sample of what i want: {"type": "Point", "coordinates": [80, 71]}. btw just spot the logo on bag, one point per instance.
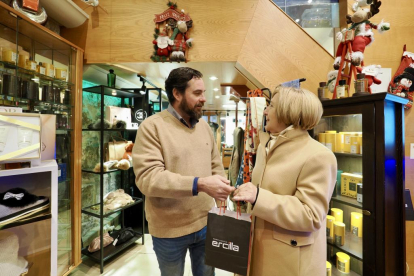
{"type": "Point", "coordinates": [225, 245]}
{"type": "Point", "coordinates": [140, 115]}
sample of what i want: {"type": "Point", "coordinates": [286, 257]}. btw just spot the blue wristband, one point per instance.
{"type": "Point", "coordinates": [195, 186]}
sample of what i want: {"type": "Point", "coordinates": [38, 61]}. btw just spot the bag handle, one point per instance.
{"type": "Point", "coordinates": [223, 207]}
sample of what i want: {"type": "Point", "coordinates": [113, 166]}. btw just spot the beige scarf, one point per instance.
{"type": "Point", "coordinates": [274, 136]}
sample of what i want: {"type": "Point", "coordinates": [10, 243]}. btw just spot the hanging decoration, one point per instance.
{"type": "Point", "coordinates": [171, 35]}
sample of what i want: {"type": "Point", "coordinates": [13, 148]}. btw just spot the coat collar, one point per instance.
{"type": "Point", "coordinates": [289, 135]}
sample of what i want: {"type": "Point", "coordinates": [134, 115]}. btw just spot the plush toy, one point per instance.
{"type": "Point", "coordinates": [332, 75]}
{"type": "Point", "coordinates": [128, 152]}
{"type": "Point", "coordinates": [106, 166]}
{"type": "Point", "coordinates": [97, 124]}
{"type": "Point", "coordinates": [371, 72]}
{"type": "Point", "coordinates": [123, 164]}
{"type": "Point", "coordinates": [404, 85]}
{"type": "Point", "coordinates": [163, 43]}
{"type": "Point", "coordinates": [363, 36]}
{"type": "Point", "coordinates": [119, 124]}
{"type": "Point", "coordinates": [181, 41]}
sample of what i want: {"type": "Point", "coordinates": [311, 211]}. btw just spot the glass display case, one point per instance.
{"type": "Point", "coordinates": [366, 224]}
{"type": "Point", "coordinates": [40, 73]}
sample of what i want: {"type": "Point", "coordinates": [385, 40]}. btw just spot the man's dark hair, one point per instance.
{"type": "Point", "coordinates": [178, 79]}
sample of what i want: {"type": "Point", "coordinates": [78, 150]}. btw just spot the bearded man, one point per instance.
{"type": "Point", "coordinates": [179, 170]}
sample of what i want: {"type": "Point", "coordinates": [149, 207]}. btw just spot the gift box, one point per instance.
{"type": "Point", "coordinates": [20, 137]}
{"type": "Point", "coordinates": [61, 73]}
{"type": "Point", "coordinates": [9, 56]}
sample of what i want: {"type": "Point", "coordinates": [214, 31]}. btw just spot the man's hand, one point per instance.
{"type": "Point", "coordinates": [246, 192]}
{"type": "Point", "coordinates": [215, 186]}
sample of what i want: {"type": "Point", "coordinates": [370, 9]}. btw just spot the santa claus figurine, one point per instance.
{"type": "Point", "coordinates": [163, 43]}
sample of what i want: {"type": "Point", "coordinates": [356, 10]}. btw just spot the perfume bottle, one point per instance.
{"type": "Point", "coordinates": [111, 78]}
{"type": "Point", "coordinates": [342, 90]}
{"type": "Point", "coordinates": [322, 91]}
{"type": "Point", "coordinates": [361, 85]}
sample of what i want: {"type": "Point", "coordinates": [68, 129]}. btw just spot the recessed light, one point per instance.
{"type": "Point", "coordinates": [216, 89]}
{"type": "Point", "coordinates": [213, 78]}
{"type": "Point", "coordinates": [217, 97]}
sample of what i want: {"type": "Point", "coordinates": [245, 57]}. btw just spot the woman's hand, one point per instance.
{"type": "Point", "coordinates": [246, 192]}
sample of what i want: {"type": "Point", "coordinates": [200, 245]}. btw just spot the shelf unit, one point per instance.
{"type": "Point", "coordinates": [380, 118]}
{"type": "Point", "coordinates": [47, 171]}
{"type": "Point", "coordinates": [28, 38]}
{"type": "Point", "coordinates": [97, 210]}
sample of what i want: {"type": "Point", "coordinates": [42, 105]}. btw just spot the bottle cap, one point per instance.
{"type": "Point", "coordinates": [322, 84]}
{"type": "Point", "coordinates": [361, 76]}
{"type": "Point", "coordinates": [111, 71]}
{"type": "Point", "coordinates": [342, 82]}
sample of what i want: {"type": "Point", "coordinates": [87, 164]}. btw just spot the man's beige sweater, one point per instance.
{"type": "Point", "coordinates": [167, 156]}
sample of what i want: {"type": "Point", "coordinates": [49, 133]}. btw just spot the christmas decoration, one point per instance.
{"type": "Point", "coordinates": [171, 43]}
{"type": "Point", "coordinates": [403, 85]}
{"type": "Point", "coordinates": [371, 72]}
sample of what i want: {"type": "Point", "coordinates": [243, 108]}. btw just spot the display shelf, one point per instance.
{"type": "Point", "coordinates": [108, 129]}
{"type": "Point", "coordinates": [352, 245]}
{"type": "Point", "coordinates": [110, 171]}
{"type": "Point", "coordinates": [110, 250]}
{"type": "Point", "coordinates": [96, 213]}
{"type": "Point", "coordinates": [9, 65]}
{"type": "Point", "coordinates": [336, 272]}
{"type": "Point", "coordinates": [345, 154]}
{"type": "Point", "coordinates": [37, 103]}
{"type": "Point", "coordinates": [347, 200]}
{"type": "Point", "coordinates": [114, 92]}
{"type": "Point", "coordinates": [38, 216]}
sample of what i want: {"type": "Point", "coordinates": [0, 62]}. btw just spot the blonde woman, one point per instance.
{"type": "Point", "coordinates": [291, 187]}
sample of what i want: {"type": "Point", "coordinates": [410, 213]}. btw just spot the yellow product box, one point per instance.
{"type": "Point", "coordinates": [322, 138]}
{"type": "Point", "coordinates": [330, 141]}
{"type": "Point", "coordinates": [347, 141]}
{"type": "Point", "coordinates": [349, 183]}
{"type": "Point", "coordinates": [50, 69]}
{"type": "Point", "coordinates": [9, 56]}
{"type": "Point", "coordinates": [61, 73]}
{"type": "Point", "coordinates": [31, 65]}
{"type": "Point", "coordinates": [343, 262]}
{"type": "Point", "coordinates": [360, 144]}
{"type": "Point", "coordinates": [40, 69]}
{"type": "Point", "coordinates": [339, 146]}
{"type": "Point", "coordinates": [22, 60]}
{"type": "Point", "coordinates": [354, 144]}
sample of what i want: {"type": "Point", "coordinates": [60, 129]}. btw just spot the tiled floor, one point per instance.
{"type": "Point", "coordinates": [138, 260]}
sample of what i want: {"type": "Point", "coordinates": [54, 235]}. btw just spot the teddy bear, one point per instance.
{"type": "Point", "coordinates": [180, 41]}
{"type": "Point", "coordinates": [128, 151]}
{"type": "Point", "coordinates": [371, 72]}
{"type": "Point", "coordinates": [363, 35]}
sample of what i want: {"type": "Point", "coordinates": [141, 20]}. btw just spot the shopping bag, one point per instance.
{"type": "Point", "coordinates": [228, 240]}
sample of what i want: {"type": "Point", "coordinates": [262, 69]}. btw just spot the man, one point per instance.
{"type": "Point", "coordinates": [178, 169]}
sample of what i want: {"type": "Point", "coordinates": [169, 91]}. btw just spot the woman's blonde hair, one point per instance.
{"type": "Point", "coordinates": [298, 107]}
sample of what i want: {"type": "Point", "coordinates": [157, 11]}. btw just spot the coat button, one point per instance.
{"type": "Point", "coordinates": [293, 242]}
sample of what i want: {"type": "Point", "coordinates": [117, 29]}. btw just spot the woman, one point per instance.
{"type": "Point", "coordinates": [293, 181]}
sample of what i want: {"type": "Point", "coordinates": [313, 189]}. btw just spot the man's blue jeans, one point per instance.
{"type": "Point", "coordinates": [171, 254]}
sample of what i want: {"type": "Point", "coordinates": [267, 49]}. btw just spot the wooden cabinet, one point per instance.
{"type": "Point", "coordinates": [42, 73]}
{"type": "Point", "coordinates": [375, 162]}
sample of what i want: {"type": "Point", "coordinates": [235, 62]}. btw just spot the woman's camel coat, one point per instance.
{"type": "Point", "coordinates": [296, 180]}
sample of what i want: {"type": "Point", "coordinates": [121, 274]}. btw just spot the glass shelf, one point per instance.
{"type": "Point", "coordinates": [347, 200]}
{"type": "Point", "coordinates": [94, 210]}
{"type": "Point", "coordinates": [8, 65]}
{"type": "Point", "coordinates": [110, 250]}
{"type": "Point", "coordinates": [39, 216]}
{"type": "Point", "coordinates": [19, 100]}
{"type": "Point", "coordinates": [352, 245]}
{"type": "Point", "coordinates": [110, 171]}
{"type": "Point", "coordinates": [114, 92]}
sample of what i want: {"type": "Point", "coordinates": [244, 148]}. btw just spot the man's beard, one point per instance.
{"type": "Point", "coordinates": [192, 112]}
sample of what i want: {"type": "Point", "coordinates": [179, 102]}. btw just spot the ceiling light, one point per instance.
{"type": "Point", "coordinates": [114, 92]}
{"type": "Point", "coordinates": [297, 20]}
{"type": "Point", "coordinates": [217, 97]}
{"type": "Point", "coordinates": [213, 78]}
{"type": "Point", "coordinates": [229, 105]}
{"type": "Point", "coordinates": [216, 89]}
{"type": "Point", "coordinates": [143, 88]}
